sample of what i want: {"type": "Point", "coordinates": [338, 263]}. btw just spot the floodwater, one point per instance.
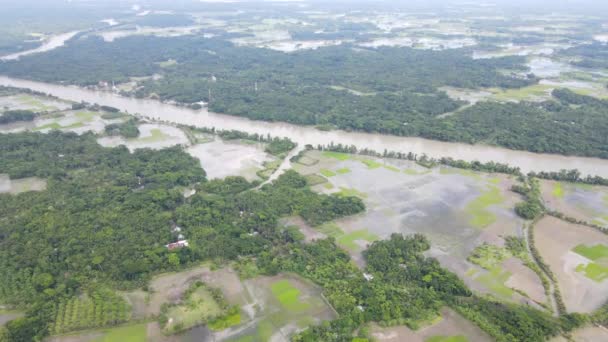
{"type": "Point", "coordinates": [51, 43]}
{"type": "Point", "coordinates": [527, 161]}
{"type": "Point", "coordinates": [230, 158]}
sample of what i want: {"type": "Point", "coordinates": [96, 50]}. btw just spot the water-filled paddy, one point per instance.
{"type": "Point", "coordinates": [560, 243]}
{"type": "Point", "coordinates": [222, 158]}
{"type": "Point", "coordinates": [457, 209]}
{"type": "Point", "coordinates": [582, 202]}
{"type": "Point", "coordinates": [155, 136]}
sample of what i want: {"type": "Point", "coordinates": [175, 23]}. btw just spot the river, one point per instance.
{"type": "Point", "coordinates": [527, 161]}
{"type": "Point", "coordinates": [50, 43]}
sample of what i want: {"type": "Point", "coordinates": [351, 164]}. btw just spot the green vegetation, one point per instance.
{"type": "Point", "coordinates": [288, 296]}
{"type": "Point", "coordinates": [478, 208]}
{"type": "Point", "coordinates": [119, 207]}
{"type": "Point", "coordinates": [594, 252]}
{"type": "Point", "coordinates": [594, 271]}
{"type": "Point", "coordinates": [490, 257]}
{"type": "Point", "coordinates": [495, 280]}
{"type": "Point", "coordinates": [351, 192]}
{"type": "Point", "coordinates": [458, 338]}
{"type": "Point", "coordinates": [349, 241]}
{"type": "Point", "coordinates": [199, 305]}
{"type": "Point", "coordinates": [558, 190]}
{"type": "Point", "coordinates": [129, 333]}
{"type": "Point", "coordinates": [343, 171]}
{"type": "Point", "coordinates": [278, 146]}
{"type": "Point", "coordinates": [16, 115]}
{"type": "Point", "coordinates": [156, 135]}
{"type": "Point", "coordinates": [126, 129]}
{"type": "Point", "coordinates": [327, 173]}
{"type": "Point", "coordinates": [337, 155]}
{"type": "Point", "coordinates": [315, 179]}
{"type": "Point", "coordinates": [532, 207]}
{"type": "Point", "coordinates": [371, 164]}
{"type": "Point", "coordinates": [99, 309]}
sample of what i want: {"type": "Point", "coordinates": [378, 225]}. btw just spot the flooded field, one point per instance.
{"type": "Point", "coordinates": [571, 251]}
{"type": "Point", "coordinates": [450, 325]}
{"type": "Point", "coordinates": [34, 103]}
{"type": "Point", "coordinates": [110, 36]}
{"type": "Point", "coordinates": [17, 186]}
{"type": "Point", "coordinates": [457, 210]}
{"type": "Point", "coordinates": [580, 201]}
{"type": "Point", "coordinates": [222, 158]}
{"type": "Point", "coordinates": [154, 136]}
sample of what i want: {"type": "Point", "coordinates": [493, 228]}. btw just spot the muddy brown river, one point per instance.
{"type": "Point", "coordinates": [527, 161]}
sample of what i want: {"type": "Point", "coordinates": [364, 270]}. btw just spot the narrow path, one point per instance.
{"type": "Point", "coordinates": [285, 165]}
{"type": "Point", "coordinates": [551, 293]}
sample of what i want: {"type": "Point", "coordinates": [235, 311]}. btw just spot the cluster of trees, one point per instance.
{"type": "Point", "coordinates": [407, 288]}
{"type": "Point", "coordinates": [388, 90]}
{"type": "Point", "coordinates": [533, 205]}
{"type": "Point", "coordinates": [593, 55]}
{"type": "Point", "coordinates": [127, 129]}
{"type": "Point", "coordinates": [16, 115]}
{"type": "Point", "coordinates": [107, 214]}
{"type": "Point", "coordinates": [99, 308]}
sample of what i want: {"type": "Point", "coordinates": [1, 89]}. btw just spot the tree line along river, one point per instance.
{"type": "Point", "coordinates": [526, 161]}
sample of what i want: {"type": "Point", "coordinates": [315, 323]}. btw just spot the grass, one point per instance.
{"type": "Point", "coordinates": [477, 209]}
{"type": "Point", "coordinates": [458, 338]}
{"type": "Point", "coordinates": [489, 256]}
{"type": "Point", "coordinates": [156, 135]}
{"type": "Point", "coordinates": [112, 115]}
{"type": "Point", "coordinates": [594, 271]}
{"type": "Point", "coordinates": [391, 168]}
{"type": "Point", "coordinates": [328, 186]}
{"type": "Point", "coordinates": [330, 229]}
{"type": "Point", "coordinates": [343, 170]}
{"type": "Point", "coordinates": [558, 190]}
{"type": "Point", "coordinates": [595, 252]}
{"type": "Point", "coordinates": [337, 155]}
{"type": "Point", "coordinates": [315, 179]}
{"type": "Point", "coordinates": [196, 309]}
{"type": "Point", "coordinates": [327, 173]}
{"type": "Point", "coordinates": [349, 192]}
{"type": "Point", "coordinates": [495, 280]}
{"type": "Point", "coordinates": [349, 241]}
{"type": "Point", "coordinates": [226, 322]}
{"type": "Point", "coordinates": [371, 164]}
{"type": "Point", "coordinates": [520, 94]}
{"type": "Point", "coordinates": [130, 333]}
{"type": "Point", "coordinates": [35, 103]}
{"type": "Point", "coordinates": [288, 296]}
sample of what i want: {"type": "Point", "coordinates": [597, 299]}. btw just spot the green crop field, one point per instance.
{"type": "Point", "coordinates": [594, 271]}
{"type": "Point", "coordinates": [327, 173]}
{"type": "Point", "coordinates": [558, 190]}
{"type": "Point", "coordinates": [288, 296]}
{"type": "Point", "coordinates": [594, 252]}
{"type": "Point", "coordinates": [481, 217]}
{"type": "Point", "coordinates": [337, 155]}
{"type": "Point", "coordinates": [371, 164]}
{"type": "Point", "coordinates": [130, 333]}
